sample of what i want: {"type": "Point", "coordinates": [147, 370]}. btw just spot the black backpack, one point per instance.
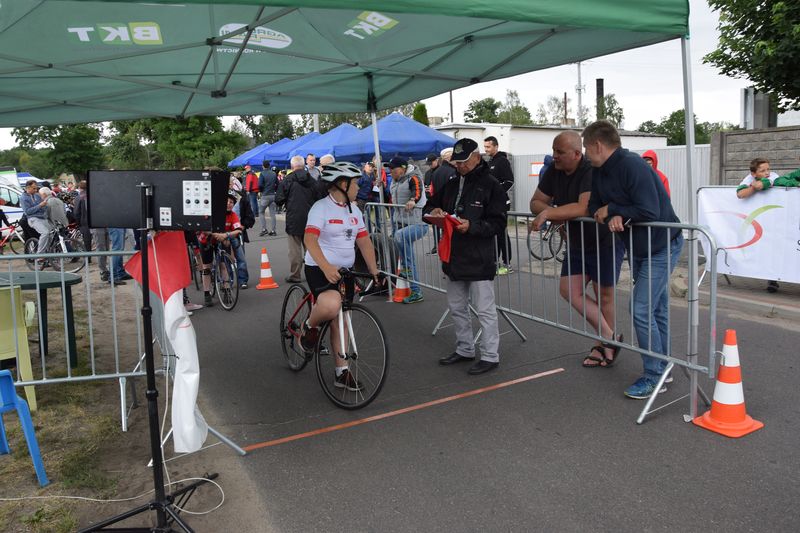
{"type": "Point", "coordinates": [248, 218]}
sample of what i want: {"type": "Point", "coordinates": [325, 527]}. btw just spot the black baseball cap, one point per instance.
{"type": "Point", "coordinates": [431, 158]}
{"type": "Point", "coordinates": [396, 162]}
{"type": "Point", "coordinates": [462, 150]}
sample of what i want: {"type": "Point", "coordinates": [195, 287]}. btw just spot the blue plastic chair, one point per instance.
{"type": "Point", "coordinates": [9, 401]}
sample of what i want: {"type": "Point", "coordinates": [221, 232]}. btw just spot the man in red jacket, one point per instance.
{"type": "Point", "coordinates": [651, 159]}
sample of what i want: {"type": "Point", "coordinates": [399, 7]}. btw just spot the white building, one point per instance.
{"type": "Point", "coordinates": [528, 145]}
{"type": "Point", "coordinates": [534, 140]}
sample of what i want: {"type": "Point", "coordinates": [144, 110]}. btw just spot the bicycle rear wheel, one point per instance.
{"type": "Point", "coordinates": [31, 246]}
{"type": "Point", "coordinates": [194, 265]}
{"type": "Point", "coordinates": [367, 356]}
{"type": "Point", "coordinates": [296, 309]}
{"type": "Point", "coordinates": [227, 283]}
{"type": "Point", "coordinates": [538, 247]}
{"type": "Point", "coordinates": [556, 244]}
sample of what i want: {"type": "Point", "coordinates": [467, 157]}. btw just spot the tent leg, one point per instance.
{"type": "Point", "coordinates": [693, 300]}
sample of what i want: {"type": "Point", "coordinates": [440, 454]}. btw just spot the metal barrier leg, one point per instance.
{"type": "Point", "coordinates": [646, 411]}
{"type": "Point", "coordinates": [438, 325]}
{"type": "Point", "coordinates": [513, 325]}
{"type": "Point", "coordinates": [122, 404]}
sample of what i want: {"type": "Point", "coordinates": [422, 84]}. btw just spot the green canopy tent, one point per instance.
{"type": "Point", "coordinates": [80, 61]}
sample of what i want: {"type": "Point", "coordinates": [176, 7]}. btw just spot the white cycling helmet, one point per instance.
{"type": "Point", "coordinates": [340, 169]}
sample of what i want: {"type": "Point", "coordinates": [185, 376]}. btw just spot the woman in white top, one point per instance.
{"type": "Point", "coordinates": [335, 227]}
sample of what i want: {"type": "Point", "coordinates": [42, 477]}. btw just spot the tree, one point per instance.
{"type": "Point", "coordinates": [482, 110]}
{"type": "Point", "coordinates": [674, 128]}
{"type": "Point", "coordinates": [267, 128]}
{"type": "Point", "coordinates": [610, 110]}
{"type": "Point", "coordinates": [74, 148]}
{"type": "Point", "coordinates": [328, 121]}
{"type": "Point", "coordinates": [194, 142]}
{"type": "Point", "coordinates": [421, 113]}
{"type": "Point", "coordinates": [513, 112]}
{"type": "Point", "coordinates": [552, 112]}
{"type": "Point", "coordinates": [129, 144]}
{"type": "Point", "coordinates": [760, 40]}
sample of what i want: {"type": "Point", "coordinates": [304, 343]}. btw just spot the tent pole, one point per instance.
{"type": "Point", "coordinates": [694, 310]}
{"type": "Point", "coordinates": [372, 106]}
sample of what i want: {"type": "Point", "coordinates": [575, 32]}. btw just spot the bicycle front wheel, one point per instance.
{"type": "Point", "coordinates": [296, 309]}
{"type": "Point", "coordinates": [366, 355]}
{"type": "Point", "coordinates": [74, 264]}
{"type": "Point", "coordinates": [538, 247]}
{"type": "Point", "coordinates": [227, 283]}
{"type": "Point", "coordinates": [16, 242]}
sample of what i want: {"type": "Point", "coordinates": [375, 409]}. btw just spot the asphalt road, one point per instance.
{"type": "Point", "coordinates": [559, 452]}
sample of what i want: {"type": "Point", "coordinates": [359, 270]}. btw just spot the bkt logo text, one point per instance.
{"type": "Point", "coordinates": [119, 33]}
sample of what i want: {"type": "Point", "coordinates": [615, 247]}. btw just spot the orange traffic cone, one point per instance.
{"type": "Point", "coordinates": [727, 415]}
{"type": "Point", "coordinates": [267, 282]}
{"type": "Point", "coordinates": [401, 289]}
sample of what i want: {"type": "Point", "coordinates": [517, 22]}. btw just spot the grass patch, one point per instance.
{"type": "Point", "coordinates": [51, 519]}
{"type": "Point", "coordinates": [79, 467]}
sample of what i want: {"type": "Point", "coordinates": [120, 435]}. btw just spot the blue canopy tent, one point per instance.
{"type": "Point", "coordinates": [398, 135]}
{"type": "Point", "coordinates": [279, 155]}
{"type": "Point", "coordinates": [252, 157]}
{"type": "Point", "coordinates": [327, 142]}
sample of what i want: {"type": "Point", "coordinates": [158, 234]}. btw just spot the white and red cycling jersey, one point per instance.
{"type": "Point", "coordinates": [337, 229]}
{"type": "Point", "coordinates": [231, 223]}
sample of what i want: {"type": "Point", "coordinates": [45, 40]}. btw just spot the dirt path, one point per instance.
{"type": "Point", "coordinates": [86, 454]}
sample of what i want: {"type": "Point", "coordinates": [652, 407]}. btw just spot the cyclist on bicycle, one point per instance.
{"type": "Point", "coordinates": [207, 240]}
{"type": "Point", "coordinates": [335, 226]}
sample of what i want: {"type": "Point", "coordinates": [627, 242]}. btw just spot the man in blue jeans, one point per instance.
{"type": "Point", "coordinates": [117, 238]}
{"type": "Point", "coordinates": [626, 190]}
{"type": "Point", "coordinates": [408, 191]}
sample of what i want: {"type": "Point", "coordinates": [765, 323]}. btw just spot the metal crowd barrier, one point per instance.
{"type": "Point", "coordinates": [530, 289]}
{"type": "Point", "coordinates": [87, 308]}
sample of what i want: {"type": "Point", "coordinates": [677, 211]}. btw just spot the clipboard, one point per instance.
{"type": "Point", "coordinates": [440, 221]}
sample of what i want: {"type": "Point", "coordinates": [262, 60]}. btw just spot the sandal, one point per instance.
{"type": "Point", "coordinates": [591, 357]}
{"type": "Point", "coordinates": [616, 349]}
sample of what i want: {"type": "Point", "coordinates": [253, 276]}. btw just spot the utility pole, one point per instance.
{"type": "Point", "coordinates": [451, 107]}
{"type": "Point", "coordinates": [565, 108]}
{"type": "Point", "coordinates": [316, 122]}
{"type": "Point", "coordinates": [579, 89]}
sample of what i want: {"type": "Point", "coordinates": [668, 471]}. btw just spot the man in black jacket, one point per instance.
{"type": "Point", "coordinates": [268, 187]}
{"type": "Point", "coordinates": [443, 173]}
{"type": "Point", "coordinates": [500, 168]}
{"type": "Point", "coordinates": [478, 200]}
{"type": "Point", "coordinates": [298, 192]}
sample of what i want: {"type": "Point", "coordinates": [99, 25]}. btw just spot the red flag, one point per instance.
{"type": "Point", "coordinates": [167, 263]}
{"type": "Point", "coordinates": [450, 223]}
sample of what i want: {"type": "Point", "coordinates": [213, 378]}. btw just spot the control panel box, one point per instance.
{"type": "Point", "coordinates": [191, 200]}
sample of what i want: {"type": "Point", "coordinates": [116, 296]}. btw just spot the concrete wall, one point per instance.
{"type": "Point", "coordinates": [731, 152]}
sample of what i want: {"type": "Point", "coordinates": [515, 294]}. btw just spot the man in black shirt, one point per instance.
{"type": "Point", "coordinates": [500, 168]}
{"type": "Point", "coordinates": [567, 184]}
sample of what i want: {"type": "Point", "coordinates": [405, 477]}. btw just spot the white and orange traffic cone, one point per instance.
{"type": "Point", "coordinates": [728, 415]}
{"type": "Point", "coordinates": [267, 282]}
{"type": "Point", "coordinates": [401, 289]}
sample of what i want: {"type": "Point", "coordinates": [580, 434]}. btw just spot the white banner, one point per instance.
{"type": "Point", "coordinates": [758, 237]}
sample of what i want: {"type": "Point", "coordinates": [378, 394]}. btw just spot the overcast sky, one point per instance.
{"type": "Point", "coordinates": [647, 82]}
